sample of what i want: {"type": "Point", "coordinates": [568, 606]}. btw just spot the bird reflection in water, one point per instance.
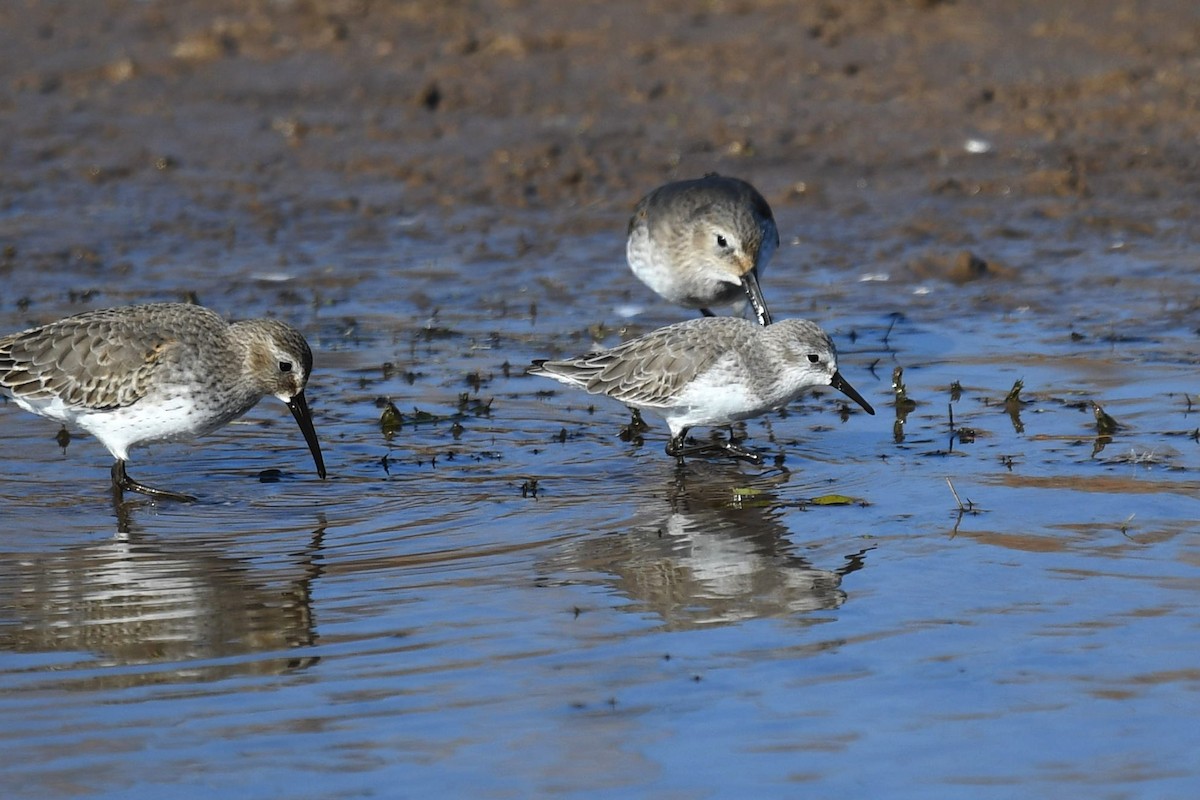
{"type": "Point", "coordinates": [140, 599]}
{"type": "Point", "coordinates": [712, 549]}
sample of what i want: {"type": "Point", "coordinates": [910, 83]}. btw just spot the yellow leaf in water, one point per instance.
{"type": "Point", "coordinates": [834, 500]}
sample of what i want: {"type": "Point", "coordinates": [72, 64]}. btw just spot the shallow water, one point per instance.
{"type": "Point", "coordinates": [505, 599]}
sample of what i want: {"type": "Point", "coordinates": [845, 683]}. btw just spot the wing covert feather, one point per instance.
{"type": "Point", "coordinates": [94, 361]}
{"type": "Point", "coordinates": [649, 371]}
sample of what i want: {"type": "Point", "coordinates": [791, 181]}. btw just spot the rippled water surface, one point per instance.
{"type": "Point", "coordinates": [502, 598]}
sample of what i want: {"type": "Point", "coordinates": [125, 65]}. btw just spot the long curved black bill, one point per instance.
{"type": "Point", "coordinates": [839, 383]}
{"type": "Point", "coordinates": [299, 408]}
{"type": "Point", "coordinates": [750, 285]}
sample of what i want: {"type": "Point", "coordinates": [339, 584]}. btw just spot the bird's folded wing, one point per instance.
{"type": "Point", "coordinates": [96, 365]}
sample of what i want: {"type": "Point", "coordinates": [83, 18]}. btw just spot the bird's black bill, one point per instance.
{"type": "Point", "coordinates": [299, 408]}
{"type": "Point", "coordinates": [839, 383]}
{"type": "Point", "coordinates": [750, 285]}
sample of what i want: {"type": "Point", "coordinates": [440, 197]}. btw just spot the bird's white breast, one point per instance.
{"type": "Point", "coordinates": [713, 399]}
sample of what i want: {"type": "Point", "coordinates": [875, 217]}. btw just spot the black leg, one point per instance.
{"type": "Point", "coordinates": [123, 483]}
{"type": "Point", "coordinates": [676, 448]}
{"type": "Point", "coordinates": [737, 451]}
{"type": "Point", "coordinates": [734, 448]}
{"type": "Point", "coordinates": [707, 313]}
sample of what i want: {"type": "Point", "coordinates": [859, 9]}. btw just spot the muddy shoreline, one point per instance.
{"type": "Point", "coordinates": [253, 121]}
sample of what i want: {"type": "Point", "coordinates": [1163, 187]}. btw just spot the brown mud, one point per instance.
{"type": "Point", "coordinates": [288, 110]}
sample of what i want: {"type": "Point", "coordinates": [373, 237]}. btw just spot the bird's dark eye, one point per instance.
{"type": "Point", "coordinates": [722, 241]}
{"type": "Point", "coordinates": [286, 366]}
{"type": "Point", "coordinates": [813, 358]}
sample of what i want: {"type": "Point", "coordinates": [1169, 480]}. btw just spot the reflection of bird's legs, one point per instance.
{"type": "Point", "coordinates": [677, 489]}
{"type": "Point", "coordinates": [676, 448]}
{"type": "Point", "coordinates": [121, 511]}
{"type": "Point", "coordinates": [766, 422]}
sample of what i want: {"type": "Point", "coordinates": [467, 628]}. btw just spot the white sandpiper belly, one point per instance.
{"type": "Point", "coordinates": [167, 419]}
{"type": "Point", "coordinates": [712, 403]}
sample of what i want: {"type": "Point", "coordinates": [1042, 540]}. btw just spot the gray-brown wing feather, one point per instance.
{"type": "Point", "coordinates": [650, 371]}
{"type": "Point", "coordinates": [91, 361]}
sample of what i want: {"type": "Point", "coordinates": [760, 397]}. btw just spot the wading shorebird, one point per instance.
{"type": "Point", "coordinates": [703, 243]}
{"type": "Point", "coordinates": [156, 373]}
{"type": "Point", "coordinates": [709, 371]}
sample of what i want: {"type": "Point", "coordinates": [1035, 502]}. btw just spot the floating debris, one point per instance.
{"type": "Point", "coordinates": [423, 416]}
{"type": "Point", "coordinates": [1105, 425]}
{"type": "Point", "coordinates": [1014, 394]}
{"type": "Point", "coordinates": [961, 508]}
{"type": "Point", "coordinates": [903, 401]}
{"type": "Point", "coordinates": [1013, 403]}
{"type": "Point", "coordinates": [632, 432]}
{"type": "Point", "coordinates": [391, 420]}
{"type": "Point", "coordinates": [476, 406]}
{"type": "Point", "coordinates": [270, 476]}
{"type": "Point", "coordinates": [476, 381]}
{"type": "Point", "coordinates": [834, 500]}
{"type": "Point", "coordinates": [904, 404]}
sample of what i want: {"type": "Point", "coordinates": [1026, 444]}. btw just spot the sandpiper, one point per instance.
{"type": "Point", "coordinates": [709, 371]}
{"type": "Point", "coordinates": [156, 373]}
{"type": "Point", "coordinates": [703, 243]}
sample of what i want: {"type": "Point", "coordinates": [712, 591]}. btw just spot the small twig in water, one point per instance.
{"type": "Point", "coordinates": [1125, 526]}
{"type": "Point", "coordinates": [957, 499]}
{"type": "Point", "coordinates": [888, 333]}
{"type": "Point", "coordinates": [950, 408]}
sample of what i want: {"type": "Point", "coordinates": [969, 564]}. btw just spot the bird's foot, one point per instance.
{"type": "Point", "coordinates": [123, 483]}
{"type": "Point", "coordinates": [737, 451]}
{"type": "Point", "coordinates": [677, 448]}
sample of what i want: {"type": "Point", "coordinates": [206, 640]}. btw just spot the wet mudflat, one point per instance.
{"type": "Point", "coordinates": [499, 596]}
